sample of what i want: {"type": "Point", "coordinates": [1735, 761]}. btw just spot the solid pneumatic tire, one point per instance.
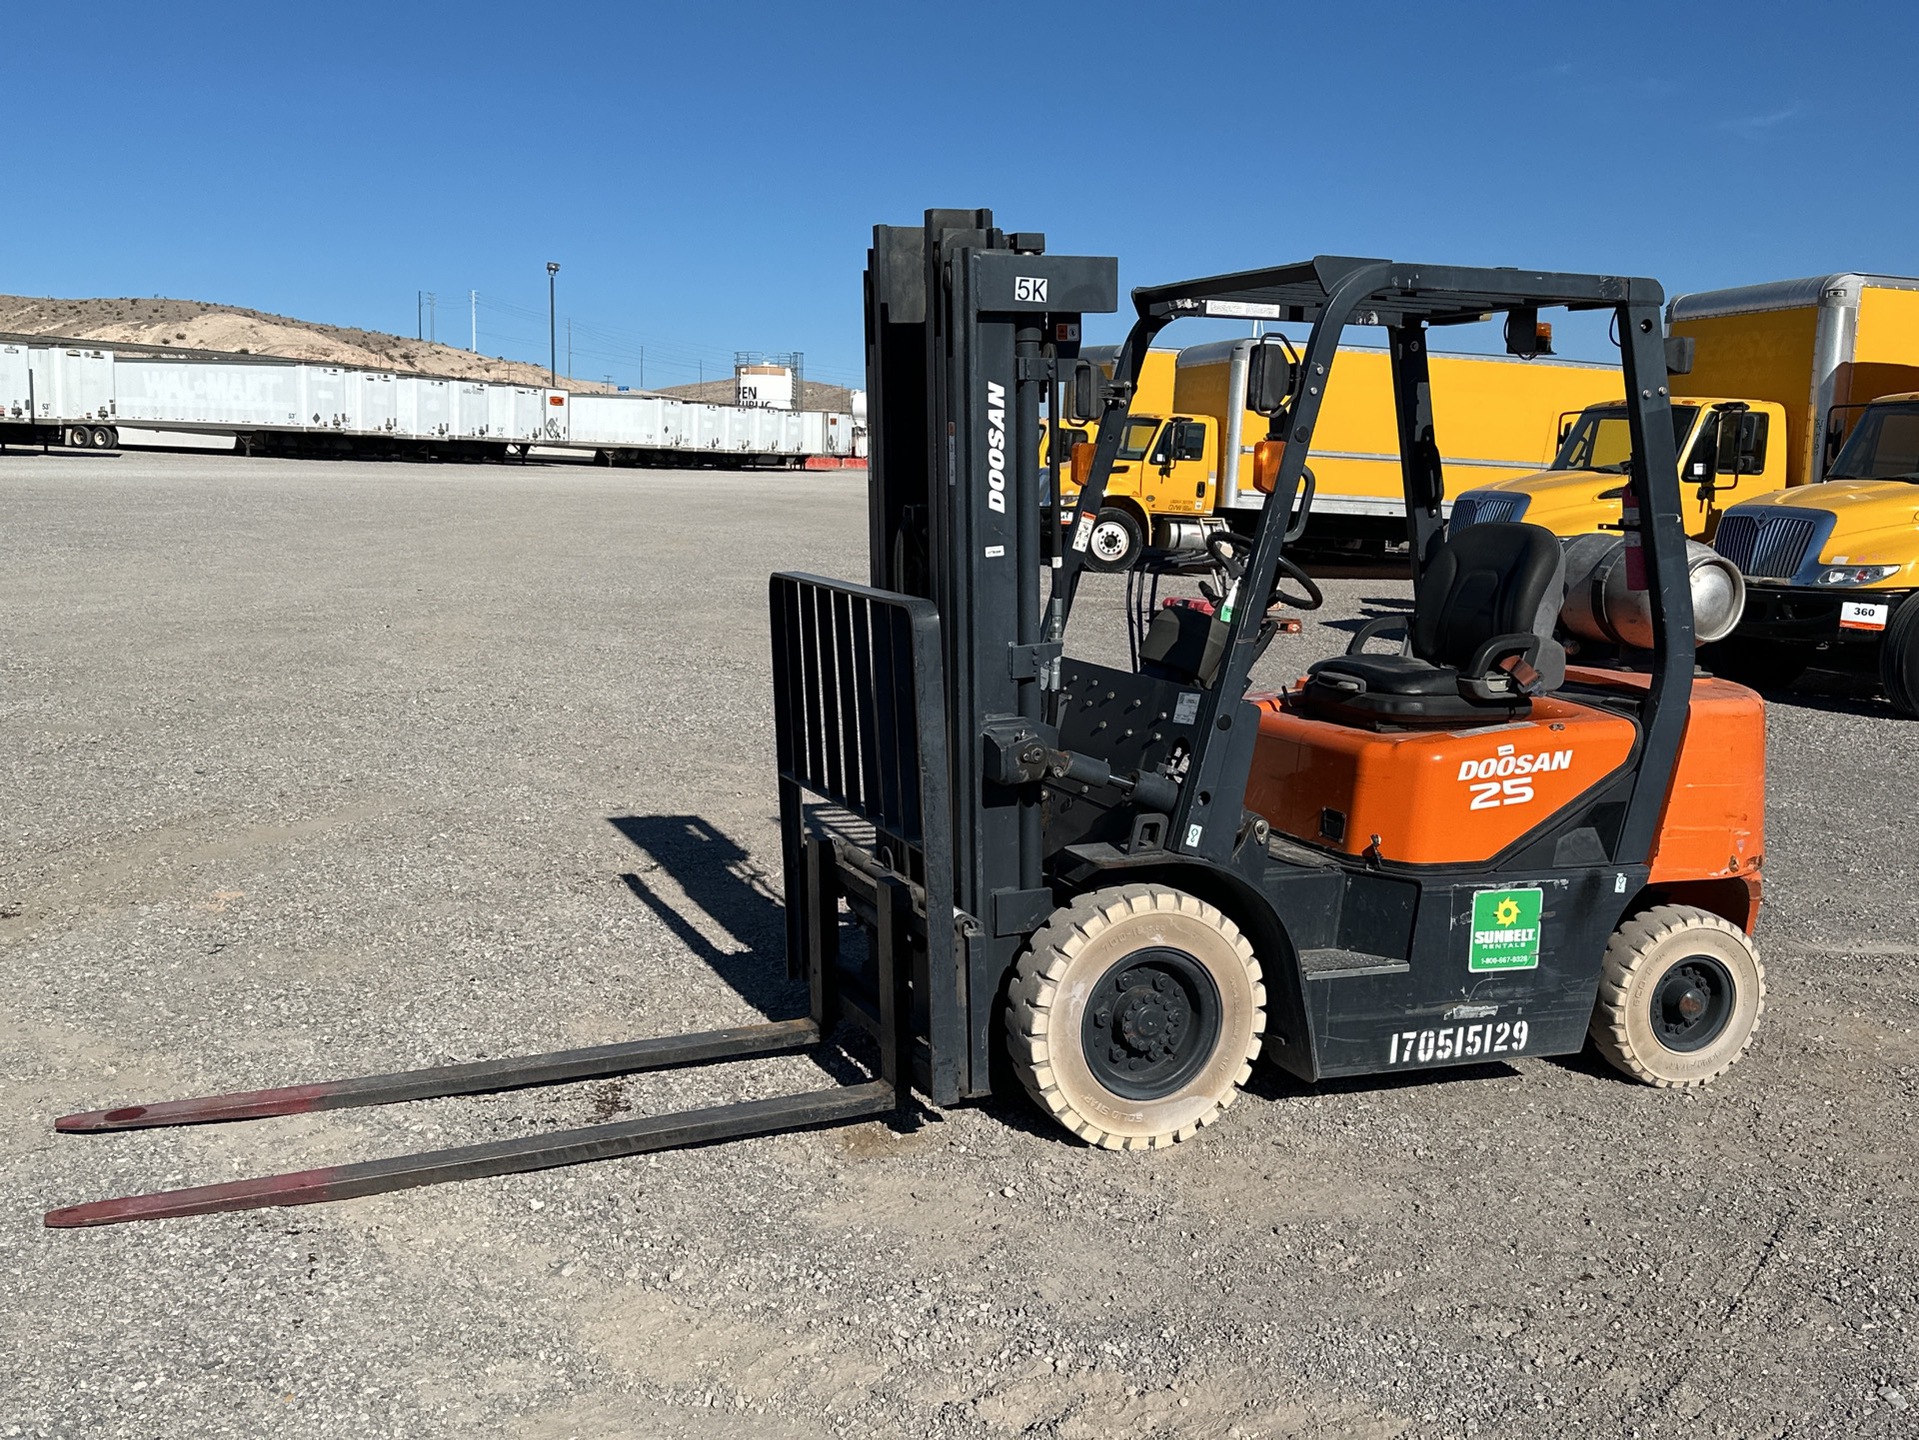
{"type": "Point", "coordinates": [1681, 991]}
{"type": "Point", "coordinates": [1899, 659]}
{"type": "Point", "coordinates": [1137, 946]}
{"type": "Point", "coordinates": [1115, 543]}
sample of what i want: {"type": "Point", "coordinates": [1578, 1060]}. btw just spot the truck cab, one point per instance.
{"type": "Point", "coordinates": [1164, 479]}
{"type": "Point", "coordinates": [1727, 448]}
{"type": "Point", "coordinates": [1832, 569]}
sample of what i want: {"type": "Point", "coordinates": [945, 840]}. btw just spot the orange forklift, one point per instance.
{"type": "Point", "coordinates": [1119, 887]}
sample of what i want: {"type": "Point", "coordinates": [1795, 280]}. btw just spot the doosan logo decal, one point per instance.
{"type": "Point", "coordinates": [1506, 778]}
{"type": "Point", "coordinates": [995, 446]}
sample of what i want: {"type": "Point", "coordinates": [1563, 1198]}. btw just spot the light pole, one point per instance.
{"type": "Point", "coordinates": [552, 334]}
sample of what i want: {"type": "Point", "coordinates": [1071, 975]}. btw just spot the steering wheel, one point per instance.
{"type": "Point", "coordinates": [1224, 547]}
{"type": "Point", "coordinates": [1311, 598]}
{"type": "Point", "coordinates": [1228, 550]}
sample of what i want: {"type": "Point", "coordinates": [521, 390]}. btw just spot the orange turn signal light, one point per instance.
{"type": "Point", "coordinates": [1267, 455]}
{"type": "Point", "coordinates": [1082, 463]}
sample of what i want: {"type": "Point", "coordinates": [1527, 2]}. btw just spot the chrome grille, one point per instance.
{"type": "Point", "coordinates": [1767, 547]}
{"type": "Point", "coordinates": [1488, 506]}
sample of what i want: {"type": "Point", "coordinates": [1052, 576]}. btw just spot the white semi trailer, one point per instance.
{"type": "Point", "coordinates": [93, 395]}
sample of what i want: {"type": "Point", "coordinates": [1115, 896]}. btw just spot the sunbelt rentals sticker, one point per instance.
{"type": "Point", "coordinates": [1505, 932]}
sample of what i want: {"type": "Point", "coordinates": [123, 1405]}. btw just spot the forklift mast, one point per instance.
{"type": "Point", "coordinates": [966, 330]}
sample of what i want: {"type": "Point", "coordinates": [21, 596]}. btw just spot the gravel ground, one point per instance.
{"type": "Point", "coordinates": [321, 769]}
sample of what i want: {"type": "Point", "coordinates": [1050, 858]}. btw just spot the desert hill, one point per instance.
{"type": "Point", "coordinates": [200, 325]}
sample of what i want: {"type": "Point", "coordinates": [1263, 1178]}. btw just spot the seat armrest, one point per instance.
{"type": "Point", "coordinates": [1378, 625]}
{"type": "Point", "coordinates": [1488, 678]}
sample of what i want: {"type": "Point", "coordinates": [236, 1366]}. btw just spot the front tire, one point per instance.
{"type": "Point", "coordinates": [1681, 991]}
{"type": "Point", "coordinates": [1135, 1016]}
{"type": "Point", "coordinates": [1115, 543]}
{"type": "Point", "coordinates": [1899, 659]}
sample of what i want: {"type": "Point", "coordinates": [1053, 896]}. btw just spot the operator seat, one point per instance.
{"type": "Point", "coordinates": [1479, 646]}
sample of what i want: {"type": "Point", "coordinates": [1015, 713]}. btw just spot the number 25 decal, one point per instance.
{"type": "Point", "coordinates": [1490, 794]}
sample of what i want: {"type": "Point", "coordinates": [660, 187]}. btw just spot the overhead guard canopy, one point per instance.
{"type": "Point", "coordinates": [1436, 294]}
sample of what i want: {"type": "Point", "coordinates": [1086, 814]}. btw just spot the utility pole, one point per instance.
{"type": "Point", "coordinates": [432, 317]}
{"type": "Point", "coordinates": [569, 347]}
{"type": "Point", "coordinates": [419, 314]}
{"type": "Point", "coordinates": [642, 367]}
{"type": "Point", "coordinates": [552, 348]}
{"type": "Point", "coordinates": [473, 302]}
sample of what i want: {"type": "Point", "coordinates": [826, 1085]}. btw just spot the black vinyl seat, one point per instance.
{"type": "Point", "coordinates": [1479, 644]}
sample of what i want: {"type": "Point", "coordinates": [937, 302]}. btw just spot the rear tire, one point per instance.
{"type": "Point", "coordinates": [1681, 991]}
{"type": "Point", "coordinates": [1899, 659]}
{"type": "Point", "coordinates": [102, 437]}
{"type": "Point", "coordinates": [1135, 1015]}
{"type": "Point", "coordinates": [1764, 665]}
{"type": "Point", "coordinates": [1115, 543]}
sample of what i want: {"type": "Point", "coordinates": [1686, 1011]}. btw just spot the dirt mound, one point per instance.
{"type": "Point", "coordinates": [199, 325]}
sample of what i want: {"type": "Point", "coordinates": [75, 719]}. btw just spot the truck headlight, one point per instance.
{"type": "Point", "coordinates": [1857, 574]}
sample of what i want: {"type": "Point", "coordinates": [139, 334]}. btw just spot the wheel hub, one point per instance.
{"type": "Point", "coordinates": [1692, 1003]}
{"type": "Point", "coordinates": [1151, 1023]}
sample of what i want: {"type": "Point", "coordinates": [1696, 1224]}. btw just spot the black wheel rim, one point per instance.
{"type": "Point", "coordinates": [1692, 1004]}
{"type": "Point", "coordinates": [1151, 1023]}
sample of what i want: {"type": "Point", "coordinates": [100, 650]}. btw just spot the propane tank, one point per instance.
{"type": "Point", "coordinates": [1601, 605]}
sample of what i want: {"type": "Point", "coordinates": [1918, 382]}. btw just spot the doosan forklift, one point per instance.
{"type": "Point", "coordinates": [1122, 886]}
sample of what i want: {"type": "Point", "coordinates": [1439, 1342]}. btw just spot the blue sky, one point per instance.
{"type": "Point", "coordinates": [707, 175]}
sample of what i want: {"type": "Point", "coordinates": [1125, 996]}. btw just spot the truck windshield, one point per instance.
{"type": "Point", "coordinates": [1138, 435]}
{"type": "Point", "coordinates": [1600, 439]}
{"type": "Point", "coordinates": [1884, 445]}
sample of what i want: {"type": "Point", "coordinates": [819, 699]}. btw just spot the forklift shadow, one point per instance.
{"type": "Point", "coordinates": [727, 910]}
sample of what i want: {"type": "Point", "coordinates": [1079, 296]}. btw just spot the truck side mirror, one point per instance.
{"type": "Point", "coordinates": [1726, 460]}
{"type": "Point", "coordinates": [1272, 374]}
{"type": "Point", "coordinates": [1742, 446]}
{"type": "Point", "coordinates": [1679, 354]}
{"type": "Point", "coordinates": [1189, 440]}
{"type": "Point", "coordinates": [1083, 403]}
{"type": "Point", "coordinates": [1752, 443]}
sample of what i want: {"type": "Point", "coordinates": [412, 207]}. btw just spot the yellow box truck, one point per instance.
{"type": "Point", "coordinates": [1832, 568]}
{"type": "Point", "coordinates": [1726, 448]}
{"type": "Point", "coordinates": [1794, 360]}
{"type": "Point", "coordinates": [1185, 465]}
